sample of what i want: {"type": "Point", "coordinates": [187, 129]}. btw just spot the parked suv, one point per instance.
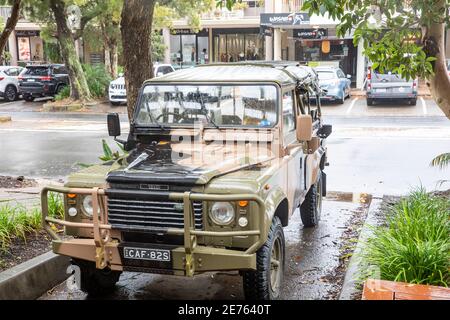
{"type": "Point", "coordinates": [219, 158]}
{"type": "Point", "coordinates": [42, 80]}
{"type": "Point", "coordinates": [117, 91]}
{"type": "Point", "coordinates": [389, 86]}
{"type": "Point", "coordinates": [9, 83]}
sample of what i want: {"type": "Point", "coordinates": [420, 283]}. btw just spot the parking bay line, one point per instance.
{"type": "Point", "coordinates": [352, 104]}
{"type": "Point", "coordinates": [424, 105]}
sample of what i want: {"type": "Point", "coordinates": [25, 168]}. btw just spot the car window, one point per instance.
{"type": "Point", "coordinates": [14, 72]}
{"type": "Point", "coordinates": [59, 70]}
{"type": "Point", "coordinates": [326, 75]}
{"type": "Point", "coordinates": [166, 69]}
{"type": "Point", "coordinates": [288, 113]}
{"type": "Point", "coordinates": [36, 71]}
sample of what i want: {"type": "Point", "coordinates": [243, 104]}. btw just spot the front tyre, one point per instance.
{"type": "Point", "coordinates": [266, 282]}
{"type": "Point", "coordinates": [96, 282]}
{"type": "Point", "coordinates": [311, 208]}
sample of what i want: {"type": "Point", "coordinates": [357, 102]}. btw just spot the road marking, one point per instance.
{"type": "Point", "coordinates": [352, 104]}
{"type": "Point", "coordinates": [424, 105]}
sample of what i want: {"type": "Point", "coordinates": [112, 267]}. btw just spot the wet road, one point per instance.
{"type": "Point", "coordinates": [378, 150]}
{"type": "Point", "coordinates": [312, 256]}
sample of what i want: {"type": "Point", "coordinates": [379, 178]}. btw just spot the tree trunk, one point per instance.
{"type": "Point", "coordinates": [114, 60]}
{"type": "Point", "coordinates": [136, 24]}
{"type": "Point", "coordinates": [107, 58]}
{"type": "Point", "coordinates": [79, 89]}
{"type": "Point", "coordinates": [10, 24]}
{"type": "Point", "coordinates": [440, 83]}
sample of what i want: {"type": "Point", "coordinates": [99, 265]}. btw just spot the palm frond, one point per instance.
{"type": "Point", "coordinates": [441, 161]}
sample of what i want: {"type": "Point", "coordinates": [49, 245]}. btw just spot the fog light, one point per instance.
{"type": "Point", "coordinates": [243, 222]}
{"type": "Point", "coordinates": [73, 212]}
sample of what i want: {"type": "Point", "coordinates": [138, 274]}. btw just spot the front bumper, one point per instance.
{"type": "Point", "coordinates": [187, 260]}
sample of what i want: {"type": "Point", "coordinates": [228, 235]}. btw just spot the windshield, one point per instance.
{"type": "Point", "coordinates": [326, 75]}
{"type": "Point", "coordinates": [387, 76]}
{"type": "Point", "coordinates": [216, 105]}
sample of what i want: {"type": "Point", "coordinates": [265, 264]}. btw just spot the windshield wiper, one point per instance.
{"type": "Point", "coordinates": [152, 118]}
{"type": "Point", "coordinates": [205, 111]}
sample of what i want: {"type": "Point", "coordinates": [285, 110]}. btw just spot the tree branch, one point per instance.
{"type": "Point", "coordinates": [10, 24]}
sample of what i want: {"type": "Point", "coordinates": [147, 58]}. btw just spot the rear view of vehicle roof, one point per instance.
{"type": "Point", "coordinates": [230, 72]}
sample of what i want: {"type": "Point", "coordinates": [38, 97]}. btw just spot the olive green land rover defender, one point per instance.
{"type": "Point", "coordinates": [218, 159]}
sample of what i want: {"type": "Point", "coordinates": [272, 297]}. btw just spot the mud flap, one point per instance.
{"type": "Point", "coordinates": [324, 184]}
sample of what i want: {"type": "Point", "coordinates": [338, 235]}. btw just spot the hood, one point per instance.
{"type": "Point", "coordinates": [120, 80]}
{"type": "Point", "coordinates": [185, 164]}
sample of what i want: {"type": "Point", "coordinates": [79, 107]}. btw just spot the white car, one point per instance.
{"type": "Point", "coordinates": [9, 82]}
{"type": "Point", "coordinates": [117, 91]}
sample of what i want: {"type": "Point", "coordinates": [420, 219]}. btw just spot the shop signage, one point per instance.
{"type": "Point", "coordinates": [311, 33]}
{"type": "Point", "coordinates": [203, 32]}
{"type": "Point", "coordinates": [27, 33]}
{"type": "Point", "coordinates": [284, 19]}
{"type": "Point", "coordinates": [266, 31]}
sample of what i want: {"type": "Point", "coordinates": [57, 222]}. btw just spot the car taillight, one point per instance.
{"type": "Point", "coordinates": [369, 74]}
{"type": "Point", "coordinates": [1, 78]}
{"type": "Point", "coordinates": [19, 78]}
{"type": "Point", "coordinates": [369, 86]}
{"type": "Point", "coordinates": [47, 78]}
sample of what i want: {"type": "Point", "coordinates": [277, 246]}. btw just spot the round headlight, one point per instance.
{"type": "Point", "coordinates": [222, 213]}
{"type": "Point", "coordinates": [87, 206]}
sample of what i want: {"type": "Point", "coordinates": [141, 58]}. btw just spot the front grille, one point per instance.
{"type": "Point", "coordinates": [147, 216]}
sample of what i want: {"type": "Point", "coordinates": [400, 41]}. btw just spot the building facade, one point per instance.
{"type": "Point", "coordinates": [264, 30]}
{"type": "Point", "coordinates": [24, 44]}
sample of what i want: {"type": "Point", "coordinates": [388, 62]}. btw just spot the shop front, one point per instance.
{"type": "Point", "coordinates": [239, 44]}
{"type": "Point", "coordinates": [29, 46]}
{"type": "Point", "coordinates": [188, 48]}
{"type": "Point", "coordinates": [320, 46]}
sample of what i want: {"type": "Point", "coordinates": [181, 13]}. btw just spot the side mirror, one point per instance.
{"type": "Point", "coordinates": [325, 131]}
{"type": "Point", "coordinates": [113, 124]}
{"type": "Point", "coordinates": [304, 127]}
{"type": "Point", "coordinates": [349, 76]}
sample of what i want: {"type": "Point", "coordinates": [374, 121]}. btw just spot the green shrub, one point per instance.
{"type": "Point", "coordinates": [98, 79]}
{"type": "Point", "coordinates": [63, 94]}
{"type": "Point", "coordinates": [55, 205]}
{"type": "Point", "coordinates": [17, 222]}
{"type": "Point", "coordinates": [414, 246]}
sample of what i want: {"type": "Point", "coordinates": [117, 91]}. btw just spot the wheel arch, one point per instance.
{"type": "Point", "coordinates": [277, 205]}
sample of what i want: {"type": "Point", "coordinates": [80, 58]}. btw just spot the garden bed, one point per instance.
{"type": "Point", "coordinates": [8, 182]}
{"type": "Point", "coordinates": [409, 242]}
{"type": "Point", "coordinates": [21, 250]}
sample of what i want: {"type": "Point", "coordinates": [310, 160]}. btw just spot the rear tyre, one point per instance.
{"type": "Point", "coordinates": [11, 93]}
{"type": "Point", "coordinates": [28, 98]}
{"type": "Point", "coordinates": [266, 282]}
{"type": "Point", "coordinates": [370, 102]}
{"type": "Point", "coordinates": [96, 282]}
{"type": "Point", "coordinates": [342, 99]}
{"type": "Point", "coordinates": [115, 103]}
{"type": "Point", "coordinates": [311, 208]}
{"type": "Point", "coordinates": [413, 102]}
